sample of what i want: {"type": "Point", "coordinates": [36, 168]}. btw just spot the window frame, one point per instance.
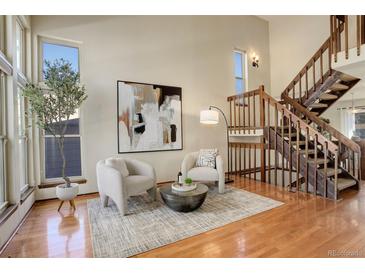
{"type": "Point", "coordinates": [58, 42]}
{"type": "Point", "coordinates": [3, 107]}
{"type": "Point", "coordinates": [244, 70]}
{"type": "Point", "coordinates": [23, 135]}
{"type": "Point", "coordinates": [66, 43]}
{"type": "Point", "coordinates": [6, 70]}
{"type": "Point", "coordinates": [22, 69]}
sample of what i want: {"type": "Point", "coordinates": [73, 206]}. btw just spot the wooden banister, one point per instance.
{"type": "Point", "coordinates": [308, 65]}
{"type": "Point", "coordinates": [338, 24]}
{"type": "Point", "coordinates": [334, 132]}
{"type": "Point", "coordinates": [332, 147]}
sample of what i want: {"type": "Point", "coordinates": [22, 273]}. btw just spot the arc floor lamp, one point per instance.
{"type": "Point", "coordinates": [211, 117]}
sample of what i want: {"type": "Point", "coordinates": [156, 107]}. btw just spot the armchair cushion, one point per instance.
{"type": "Point", "coordinates": [118, 164]}
{"type": "Point", "coordinates": [137, 184]}
{"type": "Point", "coordinates": [206, 158]}
{"type": "Point", "coordinates": [203, 174]}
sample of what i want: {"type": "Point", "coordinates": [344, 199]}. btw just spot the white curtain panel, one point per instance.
{"type": "Point", "coordinates": [347, 122]}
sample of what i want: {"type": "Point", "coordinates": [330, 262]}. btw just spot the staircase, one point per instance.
{"type": "Point", "coordinates": [307, 153]}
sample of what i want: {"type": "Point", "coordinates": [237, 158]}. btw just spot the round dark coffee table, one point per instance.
{"type": "Point", "coordinates": [184, 201]}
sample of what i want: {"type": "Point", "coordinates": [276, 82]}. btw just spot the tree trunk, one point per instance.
{"type": "Point", "coordinates": [61, 141]}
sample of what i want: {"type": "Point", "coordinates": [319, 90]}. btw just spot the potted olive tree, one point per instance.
{"type": "Point", "coordinates": [53, 106]}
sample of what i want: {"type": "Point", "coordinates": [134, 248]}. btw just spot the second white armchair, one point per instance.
{"type": "Point", "coordinates": [203, 174]}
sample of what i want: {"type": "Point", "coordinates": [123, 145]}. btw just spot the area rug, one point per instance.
{"type": "Point", "coordinates": [152, 224]}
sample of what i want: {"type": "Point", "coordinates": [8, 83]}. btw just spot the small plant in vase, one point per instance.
{"type": "Point", "coordinates": [188, 181]}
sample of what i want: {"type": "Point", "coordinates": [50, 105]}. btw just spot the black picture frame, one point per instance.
{"type": "Point", "coordinates": [181, 120]}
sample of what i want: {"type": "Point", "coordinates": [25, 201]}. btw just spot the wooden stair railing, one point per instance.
{"type": "Point", "coordinates": [313, 74]}
{"type": "Point", "coordinates": [242, 112]}
{"type": "Point", "coordinates": [343, 40]}
{"type": "Point", "coordinates": [349, 151]}
{"type": "Point", "coordinates": [323, 78]}
{"type": "Point", "coordinates": [310, 155]}
{"type": "Point", "coordinates": [246, 117]}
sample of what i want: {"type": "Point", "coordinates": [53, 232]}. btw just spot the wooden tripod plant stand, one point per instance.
{"type": "Point", "coordinates": [72, 204]}
{"type": "Point", "coordinates": [67, 194]}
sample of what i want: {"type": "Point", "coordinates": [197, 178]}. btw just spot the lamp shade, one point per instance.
{"type": "Point", "coordinates": [210, 117]}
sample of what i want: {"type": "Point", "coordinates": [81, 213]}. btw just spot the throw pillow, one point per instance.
{"type": "Point", "coordinates": [119, 164]}
{"type": "Point", "coordinates": [206, 158]}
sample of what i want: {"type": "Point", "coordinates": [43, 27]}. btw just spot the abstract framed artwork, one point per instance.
{"type": "Point", "coordinates": [149, 117]}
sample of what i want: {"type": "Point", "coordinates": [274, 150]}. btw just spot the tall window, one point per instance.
{"type": "Point", "coordinates": [20, 46]}
{"type": "Point", "coordinates": [23, 142]}
{"type": "Point", "coordinates": [240, 71]}
{"type": "Point", "coordinates": [72, 144]}
{"type": "Point", "coordinates": [2, 33]}
{"type": "Point", "coordinates": [2, 142]}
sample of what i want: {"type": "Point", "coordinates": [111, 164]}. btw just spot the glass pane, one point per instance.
{"type": "Point", "coordinates": [51, 52]}
{"type": "Point", "coordinates": [239, 85]}
{"type": "Point", "coordinates": [360, 124]}
{"type": "Point", "coordinates": [73, 127]}
{"type": "Point", "coordinates": [2, 181]}
{"type": "Point", "coordinates": [2, 33]}
{"type": "Point", "coordinates": [23, 170]}
{"type": "Point", "coordinates": [21, 113]}
{"type": "Point", "coordinates": [19, 46]}
{"type": "Point", "coordinates": [238, 65]}
{"type": "Point", "coordinates": [53, 161]}
{"type": "Point", "coordinates": [2, 104]}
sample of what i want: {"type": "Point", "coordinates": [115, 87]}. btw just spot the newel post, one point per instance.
{"type": "Point", "coordinates": [262, 125]}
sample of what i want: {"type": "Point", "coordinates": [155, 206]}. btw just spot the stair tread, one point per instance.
{"type": "Point", "coordinates": [310, 151]}
{"type": "Point", "coordinates": [328, 96]}
{"type": "Point", "coordinates": [293, 134]}
{"type": "Point", "coordinates": [347, 78]}
{"type": "Point", "coordinates": [331, 171]}
{"type": "Point", "coordinates": [319, 160]}
{"type": "Point", "coordinates": [343, 183]}
{"type": "Point", "coordinates": [300, 142]}
{"type": "Point", "coordinates": [318, 105]}
{"type": "Point", "coordinates": [338, 87]}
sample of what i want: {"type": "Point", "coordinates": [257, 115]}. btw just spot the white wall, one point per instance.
{"type": "Point", "coordinates": [293, 41]}
{"type": "Point", "coordinates": [194, 53]}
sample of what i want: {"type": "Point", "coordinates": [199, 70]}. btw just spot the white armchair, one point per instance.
{"type": "Point", "coordinates": [119, 181]}
{"type": "Point", "coordinates": [203, 174]}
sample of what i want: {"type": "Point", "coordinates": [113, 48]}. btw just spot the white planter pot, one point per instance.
{"type": "Point", "coordinates": [67, 193]}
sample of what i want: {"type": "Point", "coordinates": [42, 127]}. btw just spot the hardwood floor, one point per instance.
{"type": "Point", "coordinates": [305, 226]}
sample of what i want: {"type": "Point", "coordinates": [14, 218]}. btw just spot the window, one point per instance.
{"type": "Point", "coordinates": [52, 51]}
{"type": "Point", "coordinates": [72, 144]}
{"type": "Point", "coordinates": [53, 161]}
{"type": "Point", "coordinates": [240, 71]}
{"type": "Point", "coordinates": [2, 33]}
{"type": "Point", "coordinates": [20, 46]}
{"type": "Point", "coordinates": [2, 142]}
{"type": "Point", "coordinates": [22, 142]}
{"type": "Point", "coordinates": [360, 124]}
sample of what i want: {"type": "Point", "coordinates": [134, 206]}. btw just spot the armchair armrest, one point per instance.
{"type": "Point", "coordinates": [188, 163]}
{"type": "Point", "coordinates": [109, 180]}
{"type": "Point", "coordinates": [221, 175]}
{"type": "Point", "coordinates": [219, 165]}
